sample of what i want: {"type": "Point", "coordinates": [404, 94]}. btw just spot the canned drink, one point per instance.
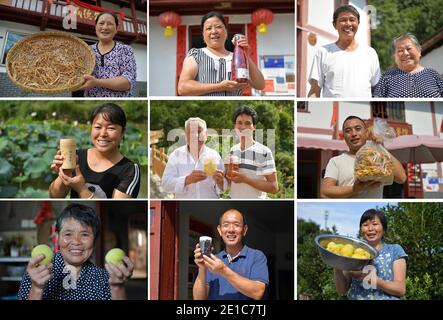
{"type": "Point", "coordinates": [206, 245]}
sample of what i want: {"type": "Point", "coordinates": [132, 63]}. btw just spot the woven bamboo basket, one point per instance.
{"type": "Point", "coordinates": [49, 63]}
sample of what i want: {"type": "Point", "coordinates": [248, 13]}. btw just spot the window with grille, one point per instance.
{"type": "Point", "coordinates": [390, 110]}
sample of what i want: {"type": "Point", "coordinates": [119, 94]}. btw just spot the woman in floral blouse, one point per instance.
{"type": "Point", "coordinates": [386, 279]}
{"type": "Point", "coordinates": [115, 69]}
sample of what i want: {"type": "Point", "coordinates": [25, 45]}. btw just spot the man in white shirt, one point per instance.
{"type": "Point", "coordinates": [339, 181]}
{"type": "Point", "coordinates": [186, 174]}
{"type": "Point", "coordinates": [345, 68]}
{"type": "Point", "coordinates": [257, 174]}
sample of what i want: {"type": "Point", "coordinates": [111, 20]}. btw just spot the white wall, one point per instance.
{"type": "Point", "coordinates": [320, 113]}
{"type": "Point", "coordinates": [318, 116]}
{"type": "Point", "coordinates": [141, 58]}
{"type": "Point", "coordinates": [162, 60]}
{"type": "Point", "coordinates": [280, 37]}
{"type": "Point", "coordinates": [434, 60]}
{"type": "Point", "coordinates": [359, 109]}
{"type": "Point", "coordinates": [418, 114]}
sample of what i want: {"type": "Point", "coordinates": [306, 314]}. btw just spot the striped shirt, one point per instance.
{"type": "Point", "coordinates": [123, 176]}
{"type": "Point", "coordinates": [213, 69]}
{"type": "Point", "coordinates": [256, 162]}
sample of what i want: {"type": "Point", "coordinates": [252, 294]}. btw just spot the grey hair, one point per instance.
{"type": "Point", "coordinates": [85, 215]}
{"type": "Point", "coordinates": [188, 122]}
{"type": "Point", "coordinates": [404, 36]}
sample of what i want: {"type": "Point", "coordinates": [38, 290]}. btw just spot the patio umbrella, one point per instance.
{"type": "Point", "coordinates": [416, 149]}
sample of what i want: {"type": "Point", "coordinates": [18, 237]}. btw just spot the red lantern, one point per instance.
{"type": "Point", "coordinates": [261, 18]}
{"type": "Point", "coordinates": [169, 20]}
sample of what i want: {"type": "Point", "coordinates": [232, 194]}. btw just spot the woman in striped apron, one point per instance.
{"type": "Point", "coordinates": [207, 71]}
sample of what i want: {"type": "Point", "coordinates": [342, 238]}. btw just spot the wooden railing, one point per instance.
{"type": "Point", "coordinates": [43, 7]}
{"type": "Point", "coordinates": [159, 159]}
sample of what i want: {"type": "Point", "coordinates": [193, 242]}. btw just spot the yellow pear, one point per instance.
{"type": "Point", "coordinates": [347, 250]}
{"type": "Point", "coordinates": [331, 245]}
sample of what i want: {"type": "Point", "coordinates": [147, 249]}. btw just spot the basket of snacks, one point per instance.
{"type": "Point", "coordinates": [49, 62]}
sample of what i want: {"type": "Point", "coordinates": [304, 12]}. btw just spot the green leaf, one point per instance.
{"type": "Point", "coordinates": [30, 192]}
{"type": "Point", "coordinates": [3, 143]}
{"type": "Point", "coordinates": [6, 169]}
{"type": "Point", "coordinates": [8, 191]}
{"type": "Point", "coordinates": [35, 167]}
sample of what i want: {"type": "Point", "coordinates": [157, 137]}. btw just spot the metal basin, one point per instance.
{"type": "Point", "coordinates": [341, 262]}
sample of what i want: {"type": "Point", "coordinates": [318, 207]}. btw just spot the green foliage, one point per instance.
{"type": "Point", "coordinates": [28, 148]}
{"type": "Point", "coordinates": [315, 278]}
{"type": "Point", "coordinates": [420, 17]}
{"type": "Point", "coordinates": [68, 110]}
{"type": "Point", "coordinates": [415, 226]}
{"type": "Point", "coordinates": [418, 288]}
{"type": "Point", "coordinates": [218, 114]}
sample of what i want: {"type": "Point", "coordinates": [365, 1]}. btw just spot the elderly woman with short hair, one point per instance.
{"type": "Point", "coordinates": [408, 79]}
{"type": "Point", "coordinates": [71, 275]}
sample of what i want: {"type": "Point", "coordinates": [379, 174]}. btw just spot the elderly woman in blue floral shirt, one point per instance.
{"type": "Point", "coordinates": [387, 279]}
{"type": "Point", "coordinates": [115, 69]}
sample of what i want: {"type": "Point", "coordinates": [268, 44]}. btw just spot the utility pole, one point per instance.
{"type": "Point", "coordinates": [326, 219]}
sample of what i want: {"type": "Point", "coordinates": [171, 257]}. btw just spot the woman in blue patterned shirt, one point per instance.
{"type": "Point", "coordinates": [71, 275]}
{"type": "Point", "coordinates": [408, 79]}
{"type": "Point", "coordinates": [115, 69]}
{"type": "Point", "coordinates": [385, 278]}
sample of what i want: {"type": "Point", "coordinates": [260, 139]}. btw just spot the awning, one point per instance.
{"type": "Point", "coordinates": [315, 143]}
{"type": "Point", "coordinates": [407, 149]}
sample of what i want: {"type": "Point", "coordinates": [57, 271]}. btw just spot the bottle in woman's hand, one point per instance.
{"type": "Point", "coordinates": [240, 71]}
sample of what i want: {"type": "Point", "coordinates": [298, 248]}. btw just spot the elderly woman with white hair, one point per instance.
{"type": "Point", "coordinates": [194, 171]}
{"type": "Point", "coordinates": [408, 79]}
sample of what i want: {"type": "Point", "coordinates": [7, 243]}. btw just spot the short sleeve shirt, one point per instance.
{"type": "Point", "coordinates": [123, 176]}
{"type": "Point", "coordinates": [396, 83]}
{"type": "Point", "coordinates": [120, 61]}
{"type": "Point", "coordinates": [213, 69]}
{"type": "Point", "coordinates": [341, 169]}
{"type": "Point", "coordinates": [93, 283]}
{"type": "Point", "coordinates": [384, 263]}
{"type": "Point", "coordinates": [256, 162]}
{"type": "Point", "coordinates": [346, 74]}
{"type": "Point", "coordinates": [250, 263]}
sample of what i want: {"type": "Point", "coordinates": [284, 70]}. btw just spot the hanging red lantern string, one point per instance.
{"type": "Point", "coordinates": [261, 18]}
{"type": "Point", "coordinates": [169, 20]}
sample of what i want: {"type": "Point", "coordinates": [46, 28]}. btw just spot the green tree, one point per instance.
{"type": "Point", "coordinates": [419, 17]}
{"type": "Point", "coordinates": [315, 278]}
{"type": "Point", "coordinates": [417, 227]}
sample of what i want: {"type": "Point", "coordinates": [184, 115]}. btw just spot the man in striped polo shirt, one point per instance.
{"type": "Point", "coordinates": [257, 174]}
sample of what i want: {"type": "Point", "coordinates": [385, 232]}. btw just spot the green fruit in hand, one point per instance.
{"type": "Point", "coordinates": [115, 256]}
{"type": "Point", "coordinates": [44, 250]}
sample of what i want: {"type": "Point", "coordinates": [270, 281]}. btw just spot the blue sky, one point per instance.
{"type": "Point", "coordinates": [344, 215]}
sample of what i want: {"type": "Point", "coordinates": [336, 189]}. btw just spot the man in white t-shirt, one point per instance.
{"type": "Point", "coordinates": [339, 181]}
{"type": "Point", "coordinates": [257, 174]}
{"type": "Point", "coordinates": [194, 171]}
{"type": "Point", "coordinates": [344, 68]}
